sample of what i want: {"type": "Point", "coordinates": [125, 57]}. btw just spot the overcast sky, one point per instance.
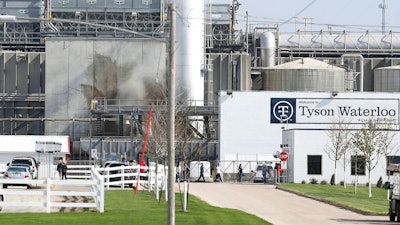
{"type": "Point", "coordinates": [351, 15]}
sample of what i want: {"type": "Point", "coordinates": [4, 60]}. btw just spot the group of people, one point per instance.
{"type": "Point", "coordinates": [219, 175]}
{"type": "Point", "coordinates": [62, 169]}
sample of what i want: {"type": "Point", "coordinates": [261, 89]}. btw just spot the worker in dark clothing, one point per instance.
{"type": "Point", "coordinates": [201, 173]}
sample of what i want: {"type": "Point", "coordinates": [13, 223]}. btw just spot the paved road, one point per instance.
{"type": "Point", "coordinates": [277, 206]}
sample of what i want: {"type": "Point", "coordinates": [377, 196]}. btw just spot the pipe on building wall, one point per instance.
{"type": "Point", "coordinates": [361, 58]}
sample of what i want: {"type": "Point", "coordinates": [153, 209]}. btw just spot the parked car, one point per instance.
{"type": "Point", "coordinates": [17, 172]}
{"type": "Point", "coordinates": [258, 177]}
{"type": "Point", "coordinates": [31, 161]}
{"type": "Point", "coordinates": [24, 165]}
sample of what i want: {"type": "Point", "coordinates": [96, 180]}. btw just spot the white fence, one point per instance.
{"type": "Point", "coordinates": [126, 176]}
{"type": "Point", "coordinates": [83, 181]}
{"type": "Point", "coordinates": [52, 193]}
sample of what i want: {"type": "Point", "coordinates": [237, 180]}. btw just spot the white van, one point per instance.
{"type": "Point", "coordinates": [258, 177]}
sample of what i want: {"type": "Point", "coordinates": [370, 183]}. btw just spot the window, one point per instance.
{"type": "Point", "coordinates": [392, 159]}
{"type": "Point", "coordinates": [358, 161]}
{"type": "Point", "coordinates": [314, 164]}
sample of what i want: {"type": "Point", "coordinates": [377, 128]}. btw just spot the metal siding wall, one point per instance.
{"type": "Point", "coordinates": [35, 73]}
{"type": "Point", "coordinates": [22, 73]}
{"type": "Point", "coordinates": [10, 72]}
{"type": "Point", "coordinates": [30, 8]}
{"type": "Point", "coordinates": [64, 4]}
{"type": "Point", "coordinates": [2, 73]}
{"type": "Point", "coordinates": [92, 4]}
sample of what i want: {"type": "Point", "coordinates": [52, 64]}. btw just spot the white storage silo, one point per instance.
{"type": "Point", "coordinates": [387, 79]}
{"type": "Point", "coordinates": [306, 75]}
{"type": "Point", "coordinates": [190, 49]}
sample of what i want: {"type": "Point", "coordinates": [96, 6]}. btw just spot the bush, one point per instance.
{"type": "Point", "coordinates": [324, 182]}
{"type": "Point", "coordinates": [333, 180]}
{"type": "Point", "coordinates": [313, 181]}
{"type": "Point", "coordinates": [303, 182]}
{"type": "Point", "coordinates": [341, 183]}
{"type": "Point", "coordinates": [379, 183]}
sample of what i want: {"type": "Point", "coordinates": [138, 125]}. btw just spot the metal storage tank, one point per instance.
{"type": "Point", "coordinates": [306, 75]}
{"type": "Point", "coordinates": [190, 50]}
{"type": "Point", "coordinates": [387, 79]}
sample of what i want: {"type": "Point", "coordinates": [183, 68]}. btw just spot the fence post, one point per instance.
{"type": "Point", "coordinates": [107, 173]}
{"type": "Point", "coordinates": [185, 191]}
{"type": "Point", "coordinates": [123, 178]}
{"type": "Point", "coordinates": [48, 195]}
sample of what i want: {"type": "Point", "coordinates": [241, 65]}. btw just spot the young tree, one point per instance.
{"type": "Point", "coordinates": [339, 141]}
{"type": "Point", "coordinates": [368, 141]}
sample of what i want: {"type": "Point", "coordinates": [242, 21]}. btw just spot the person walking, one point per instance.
{"type": "Point", "coordinates": [64, 170]}
{"type": "Point", "coordinates": [59, 165]}
{"type": "Point", "coordinates": [264, 172]}
{"type": "Point", "coordinates": [178, 172]}
{"type": "Point", "coordinates": [201, 173]}
{"type": "Point", "coordinates": [240, 173]}
{"type": "Point", "coordinates": [218, 174]}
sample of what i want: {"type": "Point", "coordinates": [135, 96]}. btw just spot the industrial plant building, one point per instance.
{"type": "Point", "coordinates": [92, 70]}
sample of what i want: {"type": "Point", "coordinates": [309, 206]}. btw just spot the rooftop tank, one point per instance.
{"type": "Point", "coordinates": [387, 79]}
{"type": "Point", "coordinates": [306, 75]}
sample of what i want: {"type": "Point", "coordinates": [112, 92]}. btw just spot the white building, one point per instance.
{"type": "Point", "coordinates": [45, 149]}
{"type": "Point", "coordinates": [258, 123]}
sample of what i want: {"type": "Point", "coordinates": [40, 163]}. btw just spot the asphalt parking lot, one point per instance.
{"type": "Point", "coordinates": [277, 206]}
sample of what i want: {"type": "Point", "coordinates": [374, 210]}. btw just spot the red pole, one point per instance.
{"type": "Point", "coordinates": [144, 148]}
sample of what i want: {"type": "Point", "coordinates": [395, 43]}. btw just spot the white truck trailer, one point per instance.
{"type": "Point", "coordinates": [394, 196]}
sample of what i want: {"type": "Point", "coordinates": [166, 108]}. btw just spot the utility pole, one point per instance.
{"type": "Point", "coordinates": [171, 117]}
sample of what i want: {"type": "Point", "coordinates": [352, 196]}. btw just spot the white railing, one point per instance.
{"type": "Point", "coordinates": [126, 176]}
{"type": "Point", "coordinates": [50, 194]}
{"type": "Point", "coordinates": [79, 172]}
{"type": "Point", "coordinates": [83, 181]}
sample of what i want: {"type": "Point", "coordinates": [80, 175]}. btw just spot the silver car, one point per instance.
{"type": "Point", "coordinates": [31, 161]}
{"type": "Point", "coordinates": [17, 172]}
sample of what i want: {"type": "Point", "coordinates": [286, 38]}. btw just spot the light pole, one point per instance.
{"type": "Point", "coordinates": [171, 118]}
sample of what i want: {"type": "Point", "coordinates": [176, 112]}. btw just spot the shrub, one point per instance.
{"type": "Point", "coordinates": [379, 183]}
{"type": "Point", "coordinates": [313, 181]}
{"type": "Point", "coordinates": [324, 182]}
{"type": "Point", "coordinates": [341, 183]}
{"type": "Point", "coordinates": [333, 180]}
{"type": "Point", "coordinates": [303, 182]}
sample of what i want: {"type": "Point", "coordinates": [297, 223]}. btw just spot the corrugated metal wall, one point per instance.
{"type": "Point", "coordinates": [21, 92]}
{"type": "Point", "coordinates": [79, 70]}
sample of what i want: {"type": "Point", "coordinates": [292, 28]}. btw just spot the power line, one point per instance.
{"type": "Point", "coordinates": [304, 9]}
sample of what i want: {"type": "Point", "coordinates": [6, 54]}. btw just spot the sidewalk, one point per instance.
{"type": "Point", "coordinates": [277, 206]}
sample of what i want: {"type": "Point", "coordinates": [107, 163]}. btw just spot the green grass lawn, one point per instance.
{"type": "Point", "coordinates": [123, 207]}
{"type": "Point", "coordinates": [378, 204]}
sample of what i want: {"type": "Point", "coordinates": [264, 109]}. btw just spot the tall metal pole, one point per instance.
{"type": "Point", "coordinates": [171, 117]}
{"type": "Point", "coordinates": [383, 6]}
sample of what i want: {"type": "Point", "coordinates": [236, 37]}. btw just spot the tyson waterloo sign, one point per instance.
{"type": "Point", "coordinates": [328, 110]}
